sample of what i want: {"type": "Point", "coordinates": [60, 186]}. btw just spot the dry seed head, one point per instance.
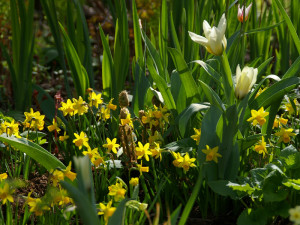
{"type": "Point", "coordinates": [123, 99]}
{"type": "Point", "coordinates": [123, 113]}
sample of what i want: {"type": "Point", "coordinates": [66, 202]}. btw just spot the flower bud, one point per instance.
{"type": "Point", "coordinates": [245, 79]}
{"type": "Point", "coordinates": [240, 15]}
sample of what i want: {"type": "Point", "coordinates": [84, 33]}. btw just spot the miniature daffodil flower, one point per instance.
{"type": "Point", "coordinates": [214, 41]}
{"type": "Point", "coordinates": [240, 15]}
{"type": "Point", "coordinates": [258, 117]}
{"type": "Point", "coordinates": [245, 79]}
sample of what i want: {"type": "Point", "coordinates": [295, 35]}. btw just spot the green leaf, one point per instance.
{"type": "Point", "coordinates": [186, 77]}
{"type": "Point", "coordinates": [119, 215]}
{"type": "Point", "coordinates": [212, 96]}
{"type": "Point", "coordinates": [85, 208]}
{"type": "Point", "coordinates": [250, 217]}
{"type": "Point", "coordinates": [221, 187]}
{"type": "Point", "coordinates": [289, 24]}
{"type": "Point", "coordinates": [79, 74]}
{"type": "Point", "coordinates": [188, 207]}
{"type": "Point", "coordinates": [175, 215]}
{"type": "Point", "coordinates": [137, 35]}
{"type": "Point", "coordinates": [241, 187]}
{"type": "Point", "coordinates": [35, 151]}
{"type": "Point", "coordinates": [293, 183]}
{"type": "Point", "coordinates": [293, 69]}
{"type": "Point", "coordinates": [210, 71]}
{"type": "Point", "coordinates": [185, 116]}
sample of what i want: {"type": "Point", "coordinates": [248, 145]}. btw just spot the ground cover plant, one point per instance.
{"type": "Point", "coordinates": [149, 112]}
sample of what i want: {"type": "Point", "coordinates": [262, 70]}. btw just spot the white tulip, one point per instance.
{"type": "Point", "coordinates": [245, 79]}
{"type": "Point", "coordinates": [214, 41]}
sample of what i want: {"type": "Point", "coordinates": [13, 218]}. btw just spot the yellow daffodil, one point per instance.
{"type": "Point", "coordinates": [63, 137]}
{"type": "Point", "coordinates": [279, 121]}
{"type": "Point", "coordinates": [111, 145]}
{"type": "Point", "coordinates": [10, 129]}
{"type": "Point", "coordinates": [54, 126]}
{"type": "Point", "coordinates": [214, 41]}
{"type": "Point", "coordinates": [260, 91]}
{"type": "Point", "coordinates": [3, 176]}
{"type": "Point", "coordinates": [240, 15]}
{"type": "Point", "coordinates": [258, 117]}
{"type": "Point", "coordinates": [128, 120]}
{"type": "Point", "coordinates": [5, 194]}
{"type": "Point", "coordinates": [94, 99]}
{"type": "Point", "coordinates": [156, 151]}
{"type": "Point", "coordinates": [245, 79]}
{"type": "Point", "coordinates": [67, 108]}
{"type": "Point", "coordinates": [187, 162]}
{"type": "Point", "coordinates": [111, 106]}
{"type": "Point", "coordinates": [289, 107]}
{"type": "Point", "coordinates": [80, 106]}
{"type": "Point", "coordinates": [134, 181]}
{"type": "Point", "coordinates": [81, 140]}
{"type": "Point", "coordinates": [117, 191]}
{"type": "Point", "coordinates": [142, 168]}
{"type": "Point", "coordinates": [178, 159]}
{"type": "Point", "coordinates": [68, 173]}
{"type": "Point", "coordinates": [143, 151]}
{"type": "Point", "coordinates": [56, 177]}
{"type": "Point", "coordinates": [103, 113]}
{"type": "Point", "coordinates": [34, 120]}
{"type": "Point", "coordinates": [197, 135]}
{"type": "Point", "coordinates": [261, 148]}
{"type": "Point", "coordinates": [107, 211]}
{"type": "Point", "coordinates": [285, 135]}
{"type": "Point", "coordinates": [38, 206]}
{"type": "Point", "coordinates": [211, 153]}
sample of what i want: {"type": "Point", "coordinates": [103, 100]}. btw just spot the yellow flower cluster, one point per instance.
{"type": "Point", "coordinates": [34, 120]}
{"type": "Point", "coordinates": [156, 117]}
{"type": "Point", "coordinates": [10, 128]}
{"type": "Point", "coordinates": [184, 162]}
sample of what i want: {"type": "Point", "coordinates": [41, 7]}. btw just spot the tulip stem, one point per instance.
{"type": "Point", "coordinates": [227, 80]}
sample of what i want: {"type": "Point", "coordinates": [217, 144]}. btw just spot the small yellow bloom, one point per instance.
{"type": "Point", "coordinates": [54, 126]}
{"type": "Point", "coordinates": [261, 148]}
{"type": "Point", "coordinates": [103, 113]}
{"type": "Point", "coordinates": [128, 120]}
{"type": "Point", "coordinates": [178, 159]}
{"type": "Point", "coordinates": [211, 154]}
{"type": "Point", "coordinates": [111, 145]}
{"type": "Point", "coordinates": [94, 99]}
{"type": "Point", "coordinates": [197, 135]}
{"type": "Point", "coordinates": [187, 162]}
{"type": "Point", "coordinates": [143, 151]}
{"type": "Point", "coordinates": [117, 191]}
{"type": "Point", "coordinates": [81, 140]}
{"type": "Point", "coordinates": [258, 117]}
{"type": "Point", "coordinates": [111, 106]}
{"type": "Point", "coordinates": [80, 106]}
{"type": "Point", "coordinates": [289, 107]}
{"type": "Point", "coordinates": [285, 135]}
{"type": "Point", "coordinates": [5, 194]}
{"type": "Point", "coordinates": [10, 129]}
{"type": "Point", "coordinates": [34, 120]}
{"type": "Point", "coordinates": [134, 181]}
{"type": "Point", "coordinates": [68, 173]}
{"type": "Point", "coordinates": [278, 121]}
{"type": "Point", "coordinates": [295, 215]}
{"type": "Point", "coordinates": [156, 152]}
{"type": "Point", "coordinates": [142, 168]}
{"type": "Point", "coordinates": [63, 137]}
{"type": "Point", "coordinates": [38, 206]}
{"type": "Point", "coordinates": [107, 211]}
{"type": "Point", "coordinates": [57, 176]}
{"type": "Point", "coordinates": [67, 108]}
{"type": "Point", "coordinates": [260, 91]}
{"type": "Point", "coordinates": [3, 176]}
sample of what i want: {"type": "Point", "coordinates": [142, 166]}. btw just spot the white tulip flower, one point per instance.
{"type": "Point", "coordinates": [214, 41]}
{"type": "Point", "coordinates": [245, 79]}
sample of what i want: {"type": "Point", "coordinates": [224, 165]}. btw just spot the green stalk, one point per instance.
{"type": "Point", "coordinates": [227, 80]}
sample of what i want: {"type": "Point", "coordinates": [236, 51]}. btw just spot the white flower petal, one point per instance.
{"type": "Point", "coordinates": [198, 38]}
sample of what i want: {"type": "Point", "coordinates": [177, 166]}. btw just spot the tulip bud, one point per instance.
{"type": "Point", "coordinates": [214, 41]}
{"type": "Point", "coordinates": [245, 79]}
{"type": "Point", "coordinates": [240, 15]}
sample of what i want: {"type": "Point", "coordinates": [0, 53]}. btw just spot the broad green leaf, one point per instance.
{"type": "Point", "coordinates": [175, 214]}
{"type": "Point", "coordinates": [214, 74]}
{"type": "Point", "coordinates": [250, 217]}
{"type": "Point", "coordinates": [85, 208]}
{"type": "Point", "coordinates": [241, 187]}
{"type": "Point", "coordinates": [178, 92]}
{"type": "Point", "coordinates": [212, 96]}
{"type": "Point", "coordinates": [293, 183]}
{"type": "Point", "coordinates": [119, 215]}
{"type": "Point", "coordinates": [186, 77]}
{"type": "Point", "coordinates": [262, 29]}
{"type": "Point", "coordinates": [35, 151]}
{"type": "Point", "coordinates": [185, 116]}
{"type": "Point", "coordinates": [137, 36]}
{"type": "Point", "coordinates": [221, 187]}
{"type": "Point", "coordinates": [293, 70]}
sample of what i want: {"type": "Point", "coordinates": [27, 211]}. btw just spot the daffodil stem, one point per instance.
{"type": "Point", "coordinates": [227, 80]}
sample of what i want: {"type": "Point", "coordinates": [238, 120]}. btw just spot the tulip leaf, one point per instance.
{"type": "Point", "coordinates": [214, 74]}
{"type": "Point", "coordinates": [33, 150]}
